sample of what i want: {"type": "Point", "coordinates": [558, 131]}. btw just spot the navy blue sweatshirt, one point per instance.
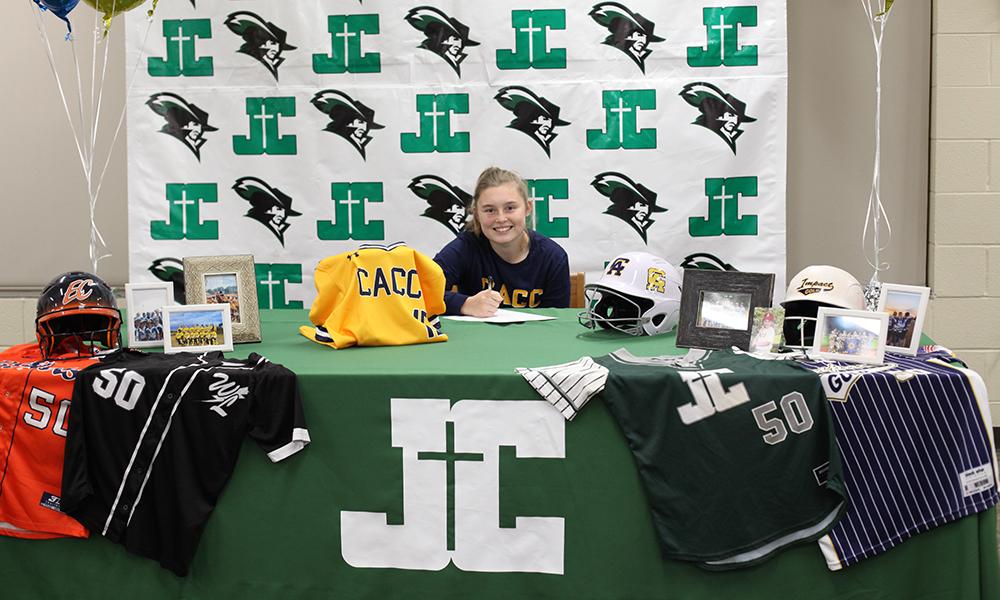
{"type": "Point", "coordinates": [541, 280]}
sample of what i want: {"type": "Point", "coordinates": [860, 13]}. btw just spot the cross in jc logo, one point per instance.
{"type": "Point", "coordinates": [451, 490]}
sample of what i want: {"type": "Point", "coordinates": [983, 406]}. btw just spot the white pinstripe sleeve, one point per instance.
{"type": "Point", "coordinates": [567, 386]}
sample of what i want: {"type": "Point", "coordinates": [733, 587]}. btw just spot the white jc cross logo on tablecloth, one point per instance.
{"type": "Point", "coordinates": [451, 472]}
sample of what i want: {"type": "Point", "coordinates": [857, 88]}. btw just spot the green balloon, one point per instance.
{"type": "Point", "coordinates": [110, 8]}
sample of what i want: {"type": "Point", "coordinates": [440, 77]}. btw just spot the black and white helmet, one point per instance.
{"type": "Point", "coordinates": [811, 288]}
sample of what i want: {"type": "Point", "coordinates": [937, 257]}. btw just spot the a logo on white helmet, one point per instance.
{"type": "Point", "coordinates": [656, 280]}
{"type": "Point", "coordinates": [808, 287]}
{"type": "Point", "coordinates": [617, 266]}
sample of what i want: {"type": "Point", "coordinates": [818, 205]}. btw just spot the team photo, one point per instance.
{"type": "Point", "coordinates": [724, 310]}
{"type": "Point", "coordinates": [145, 322]}
{"type": "Point", "coordinates": [854, 336]}
{"type": "Point", "coordinates": [196, 328]}
{"type": "Point", "coordinates": [223, 288]}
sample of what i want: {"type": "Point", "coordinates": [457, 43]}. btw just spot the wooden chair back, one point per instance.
{"type": "Point", "coordinates": [576, 281]}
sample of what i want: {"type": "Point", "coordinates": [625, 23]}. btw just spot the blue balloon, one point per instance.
{"type": "Point", "coordinates": [60, 8]}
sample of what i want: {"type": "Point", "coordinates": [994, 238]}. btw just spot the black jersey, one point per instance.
{"type": "Point", "coordinates": [736, 454]}
{"type": "Point", "coordinates": [153, 439]}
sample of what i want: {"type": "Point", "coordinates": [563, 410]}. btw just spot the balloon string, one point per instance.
{"type": "Point", "coordinates": [104, 72]}
{"type": "Point", "coordinates": [89, 161]}
{"type": "Point", "coordinates": [93, 106]}
{"type": "Point", "coordinates": [59, 85]}
{"type": "Point", "coordinates": [95, 232]}
{"type": "Point", "coordinates": [80, 144]}
{"type": "Point", "coordinates": [876, 216]}
{"type": "Point", "coordinates": [128, 90]}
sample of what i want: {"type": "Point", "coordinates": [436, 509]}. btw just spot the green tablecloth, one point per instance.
{"type": "Point", "coordinates": [276, 532]}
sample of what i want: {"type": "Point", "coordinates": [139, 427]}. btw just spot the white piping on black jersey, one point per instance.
{"type": "Point", "coordinates": [163, 435]}
{"type": "Point", "coordinates": [166, 430]}
{"type": "Point", "coordinates": [159, 444]}
{"type": "Point", "coordinates": [135, 451]}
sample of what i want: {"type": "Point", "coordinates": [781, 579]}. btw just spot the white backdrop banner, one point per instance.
{"type": "Point", "coordinates": [298, 129]}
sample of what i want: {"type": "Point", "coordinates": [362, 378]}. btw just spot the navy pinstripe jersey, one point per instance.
{"type": "Point", "coordinates": [916, 442]}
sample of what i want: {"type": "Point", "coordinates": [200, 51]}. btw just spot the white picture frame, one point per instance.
{"type": "Point", "coordinates": [856, 336]}
{"type": "Point", "coordinates": [145, 302]}
{"type": "Point", "coordinates": [186, 328]}
{"type": "Point", "coordinates": [904, 331]}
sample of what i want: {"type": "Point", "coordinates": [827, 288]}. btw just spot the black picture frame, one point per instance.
{"type": "Point", "coordinates": [709, 297]}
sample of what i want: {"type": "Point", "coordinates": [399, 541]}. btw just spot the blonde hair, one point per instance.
{"type": "Point", "coordinates": [492, 177]}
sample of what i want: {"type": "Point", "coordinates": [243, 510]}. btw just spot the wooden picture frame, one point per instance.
{"type": "Point", "coordinates": [197, 328]}
{"type": "Point", "coordinates": [226, 279]}
{"type": "Point", "coordinates": [145, 302]}
{"type": "Point", "coordinates": [856, 336]}
{"type": "Point", "coordinates": [898, 301]}
{"type": "Point", "coordinates": [717, 307]}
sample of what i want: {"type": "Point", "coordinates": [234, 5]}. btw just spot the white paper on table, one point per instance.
{"type": "Point", "coordinates": [503, 316]}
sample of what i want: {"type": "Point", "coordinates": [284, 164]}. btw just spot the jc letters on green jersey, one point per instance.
{"type": "Point", "coordinates": [737, 454]}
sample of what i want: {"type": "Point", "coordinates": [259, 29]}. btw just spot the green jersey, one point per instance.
{"type": "Point", "coordinates": [737, 454]}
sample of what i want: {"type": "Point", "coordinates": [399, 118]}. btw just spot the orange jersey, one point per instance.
{"type": "Point", "coordinates": [34, 411]}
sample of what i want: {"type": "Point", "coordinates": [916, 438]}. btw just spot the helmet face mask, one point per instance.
{"type": "Point", "coordinates": [799, 327]}
{"type": "Point", "coordinates": [608, 309]}
{"type": "Point", "coordinates": [811, 288]}
{"type": "Point", "coordinates": [77, 314]}
{"type": "Point", "coordinates": [638, 294]}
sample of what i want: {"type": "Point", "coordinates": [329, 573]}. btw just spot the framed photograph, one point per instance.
{"type": "Point", "coordinates": [197, 328]}
{"type": "Point", "coordinates": [850, 335]}
{"type": "Point", "coordinates": [145, 302]}
{"type": "Point", "coordinates": [226, 280]}
{"type": "Point", "coordinates": [906, 306]}
{"type": "Point", "coordinates": [717, 307]}
{"type": "Point", "coordinates": [765, 335]}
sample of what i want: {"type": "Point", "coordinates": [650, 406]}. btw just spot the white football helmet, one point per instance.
{"type": "Point", "coordinates": [810, 288]}
{"type": "Point", "coordinates": [638, 294]}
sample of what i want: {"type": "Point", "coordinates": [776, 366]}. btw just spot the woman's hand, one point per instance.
{"type": "Point", "coordinates": [483, 304]}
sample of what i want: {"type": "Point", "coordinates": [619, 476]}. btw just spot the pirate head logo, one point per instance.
{"type": "Point", "coordinates": [707, 262]}
{"type": "Point", "coordinates": [630, 201]}
{"type": "Point", "coordinates": [720, 112]}
{"type": "Point", "coordinates": [444, 36]}
{"type": "Point", "coordinates": [447, 204]}
{"type": "Point", "coordinates": [269, 205]}
{"type": "Point", "coordinates": [171, 270]}
{"type": "Point", "coordinates": [630, 32]}
{"type": "Point", "coordinates": [349, 118]}
{"type": "Point", "coordinates": [185, 121]}
{"type": "Point", "coordinates": [535, 116]}
{"type": "Point", "coordinates": [262, 39]}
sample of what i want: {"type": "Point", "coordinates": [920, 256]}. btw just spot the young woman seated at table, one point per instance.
{"type": "Point", "coordinates": [498, 261]}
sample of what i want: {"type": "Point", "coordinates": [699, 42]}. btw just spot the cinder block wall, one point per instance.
{"type": "Point", "coordinates": [963, 252]}
{"type": "Point", "coordinates": [17, 321]}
